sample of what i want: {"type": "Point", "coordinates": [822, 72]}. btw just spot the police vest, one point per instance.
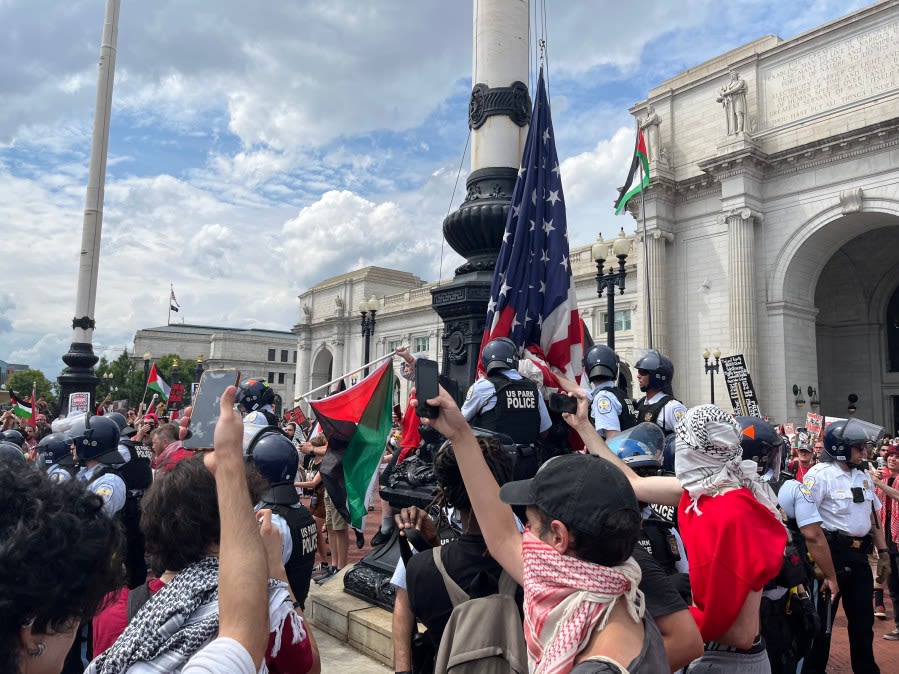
{"type": "Point", "coordinates": [628, 416]}
{"type": "Point", "coordinates": [517, 411]}
{"type": "Point", "coordinates": [657, 538]}
{"type": "Point", "coordinates": [646, 412]}
{"type": "Point", "coordinates": [303, 536]}
{"type": "Point", "coordinates": [137, 473]}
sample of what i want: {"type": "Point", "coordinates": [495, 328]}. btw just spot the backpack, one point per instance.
{"type": "Point", "coordinates": [483, 635]}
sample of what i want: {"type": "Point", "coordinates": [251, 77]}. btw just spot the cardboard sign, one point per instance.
{"type": "Point", "coordinates": [739, 386]}
{"type": "Point", "coordinates": [79, 402]}
{"type": "Point", "coordinates": [814, 423]}
{"type": "Point", "coordinates": [789, 430]}
{"type": "Point", "coordinates": [176, 395]}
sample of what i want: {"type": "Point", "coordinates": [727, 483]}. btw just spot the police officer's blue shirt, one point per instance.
{"type": "Point", "coordinates": [481, 397]}
{"type": "Point", "coordinates": [109, 487]}
{"type": "Point", "coordinates": [605, 408]}
{"type": "Point", "coordinates": [830, 488]}
{"type": "Point", "coordinates": [58, 474]}
{"type": "Point", "coordinates": [797, 505]}
{"type": "Point", "coordinates": [671, 414]}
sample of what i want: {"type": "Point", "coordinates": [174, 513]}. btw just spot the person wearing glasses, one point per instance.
{"type": "Point", "coordinates": [655, 375]}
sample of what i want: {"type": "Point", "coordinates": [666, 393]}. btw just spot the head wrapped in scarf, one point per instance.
{"type": "Point", "coordinates": [708, 458]}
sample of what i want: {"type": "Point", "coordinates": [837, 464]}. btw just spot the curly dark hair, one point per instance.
{"type": "Point", "coordinates": [59, 555]}
{"type": "Point", "coordinates": [451, 488]}
{"type": "Point", "coordinates": [180, 513]}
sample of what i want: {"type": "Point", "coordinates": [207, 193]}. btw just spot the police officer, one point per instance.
{"type": "Point", "coordinates": [96, 441]}
{"type": "Point", "coordinates": [844, 496]}
{"type": "Point", "coordinates": [504, 401]}
{"type": "Point", "coordinates": [55, 458]}
{"type": "Point", "coordinates": [640, 447]}
{"type": "Point", "coordinates": [655, 374]}
{"type": "Point", "coordinates": [277, 459]}
{"type": "Point", "coordinates": [611, 410]}
{"type": "Point", "coordinates": [255, 395]}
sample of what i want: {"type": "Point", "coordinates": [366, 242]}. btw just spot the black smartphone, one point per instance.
{"type": "Point", "coordinates": [205, 411]}
{"type": "Point", "coordinates": [562, 403]}
{"type": "Point", "coordinates": [426, 387]}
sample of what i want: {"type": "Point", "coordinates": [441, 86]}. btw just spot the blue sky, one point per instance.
{"type": "Point", "coordinates": [258, 148]}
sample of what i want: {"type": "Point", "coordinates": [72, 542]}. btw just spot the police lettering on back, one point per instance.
{"type": "Point", "coordinates": [521, 399]}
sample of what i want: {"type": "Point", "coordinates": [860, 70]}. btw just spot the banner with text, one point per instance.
{"type": "Point", "coordinates": [739, 386]}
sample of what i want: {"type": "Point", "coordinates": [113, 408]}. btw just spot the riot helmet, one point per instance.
{"type": "Point", "coordinates": [762, 444]}
{"type": "Point", "coordinates": [253, 394]}
{"type": "Point", "coordinates": [601, 361]}
{"type": "Point", "coordinates": [841, 436]}
{"type": "Point", "coordinates": [276, 458]}
{"type": "Point", "coordinates": [640, 447]}
{"type": "Point", "coordinates": [55, 449]}
{"type": "Point", "coordinates": [660, 370]}
{"type": "Point", "coordinates": [668, 454]}
{"type": "Point", "coordinates": [96, 438]}
{"type": "Point", "coordinates": [499, 354]}
{"type": "Point", "coordinates": [13, 436]}
{"type": "Point", "coordinates": [119, 420]}
{"type": "Point", "coordinates": [10, 452]}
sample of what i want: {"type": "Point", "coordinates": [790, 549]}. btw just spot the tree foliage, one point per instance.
{"type": "Point", "coordinates": [21, 382]}
{"type": "Point", "coordinates": [124, 378]}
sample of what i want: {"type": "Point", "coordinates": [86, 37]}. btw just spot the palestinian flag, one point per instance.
{"type": "Point", "coordinates": [356, 422]}
{"type": "Point", "coordinates": [637, 177]}
{"type": "Point", "coordinates": [19, 408]}
{"type": "Point", "coordinates": [157, 383]}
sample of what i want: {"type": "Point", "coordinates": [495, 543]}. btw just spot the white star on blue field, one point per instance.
{"type": "Point", "coordinates": [258, 148]}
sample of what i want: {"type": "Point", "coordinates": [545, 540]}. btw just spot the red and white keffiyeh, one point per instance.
{"type": "Point", "coordinates": [566, 599]}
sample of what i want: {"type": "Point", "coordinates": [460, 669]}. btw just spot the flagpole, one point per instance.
{"type": "Point", "coordinates": [344, 375]}
{"type": "Point", "coordinates": [168, 321]}
{"type": "Point", "coordinates": [645, 258]}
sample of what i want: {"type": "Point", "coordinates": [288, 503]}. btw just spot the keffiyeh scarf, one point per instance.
{"type": "Point", "coordinates": [566, 599]}
{"type": "Point", "coordinates": [183, 617]}
{"type": "Point", "coordinates": [708, 458]}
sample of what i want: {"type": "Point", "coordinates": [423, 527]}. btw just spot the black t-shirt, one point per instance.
{"type": "Point", "coordinates": [662, 597]}
{"type": "Point", "coordinates": [467, 562]}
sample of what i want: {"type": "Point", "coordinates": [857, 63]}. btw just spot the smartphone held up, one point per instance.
{"type": "Point", "coordinates": [205, 412]}
{"type": "Point", "coordinates": [426, 387]}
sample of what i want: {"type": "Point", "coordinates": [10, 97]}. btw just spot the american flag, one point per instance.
{"type": "Point", "coordinates": [532, 299]}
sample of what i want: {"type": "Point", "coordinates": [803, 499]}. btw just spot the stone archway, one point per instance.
{"type": "Point", "coordinates": [322, 371]}
{"type": "Point", "coordinates": [828, 298]}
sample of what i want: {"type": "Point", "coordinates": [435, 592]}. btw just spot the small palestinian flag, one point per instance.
{"type": "Point", "coordinates": [19, 408]}
{"type": "Point", "coordinates": [156, 383]}
{"type": "Point", "coordinates": [356, 422]}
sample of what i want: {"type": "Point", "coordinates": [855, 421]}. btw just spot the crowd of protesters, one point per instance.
{"type": "Point", "coordinates": [713, 543]}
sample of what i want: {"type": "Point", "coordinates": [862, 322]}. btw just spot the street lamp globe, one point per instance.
{"type": "Point", "coordinates": [621, 246]}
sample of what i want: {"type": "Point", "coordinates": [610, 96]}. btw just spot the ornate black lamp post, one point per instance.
{"type": "Point", "coordinates": [368, 309]}
{"type": "Point", "coordinates": [712, 370]}
{"type": "Point", "coordinates": [614, 278]}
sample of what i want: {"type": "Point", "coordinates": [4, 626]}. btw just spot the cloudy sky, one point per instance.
{"type": "Point", "coordinates": [258, 148]}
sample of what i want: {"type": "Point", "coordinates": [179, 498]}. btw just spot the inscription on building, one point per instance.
{"type": "Point", "coordinates": [840, 74]}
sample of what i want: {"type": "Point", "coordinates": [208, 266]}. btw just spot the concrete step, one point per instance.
{"type": "Point", "coordinates": [362, 626]}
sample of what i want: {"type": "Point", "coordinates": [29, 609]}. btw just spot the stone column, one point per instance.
{"type": "Point", "coordinates": [339, 366]}
{"type": "Point", "coordinates": [741, 255]}
{"type": "Point", "coordinates": [653, 294]}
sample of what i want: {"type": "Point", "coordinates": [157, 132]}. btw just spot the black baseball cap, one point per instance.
{"type": "Point", "coordinates": [580, 490]}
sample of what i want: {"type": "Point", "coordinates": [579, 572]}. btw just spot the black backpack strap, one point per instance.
{"type": "Point", "coordinates": [137, 598]}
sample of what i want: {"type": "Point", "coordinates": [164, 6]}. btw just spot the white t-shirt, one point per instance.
{"type": "Point", "coordinates": [220, 655]}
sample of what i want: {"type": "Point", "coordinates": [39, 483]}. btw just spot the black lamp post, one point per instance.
{"type": "Point", "coordinates": [198, 372]}
{"type": "Point", "coordinates": [368, 309]}
{"type": "Point", "coordinates": [176, 378]}
{"type": "Point", "coordinates": [712, 370]}
{"type": "Point", "coordinates": [147, 357]}
{"type": "Point", "coordinates": [614, 278]}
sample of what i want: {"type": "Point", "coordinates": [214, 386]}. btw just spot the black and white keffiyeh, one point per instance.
{"type": "Point", "coordinates": [173, 625]}
{"type": "Point", "coordinates": [708, 458]}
